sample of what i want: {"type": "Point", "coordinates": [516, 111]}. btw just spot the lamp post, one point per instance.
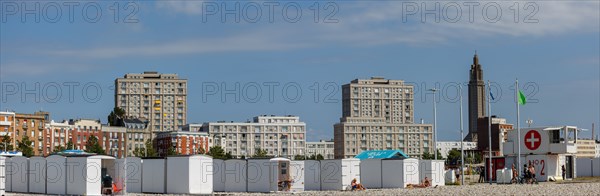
{"type": "Point", "coordinates": [434, 90]}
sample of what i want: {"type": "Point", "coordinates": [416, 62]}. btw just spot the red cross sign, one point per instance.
{"type": "Point", "coordinates": [533, 140]}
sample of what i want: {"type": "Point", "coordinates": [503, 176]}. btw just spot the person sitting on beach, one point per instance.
{"type": "Point", "coordinates": [357, 186]}
{"type": "Point", "coordinates": [426, 183]}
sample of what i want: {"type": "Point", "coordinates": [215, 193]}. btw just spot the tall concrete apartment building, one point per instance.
{"type": "Point", "coordinates": [281, 136]}
{"type": "Point", "coordinates": [161, 99]}
{"type": "Point", "coordinates": [378, 114]}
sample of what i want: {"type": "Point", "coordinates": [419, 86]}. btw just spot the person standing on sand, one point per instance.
{"type": "Point", "coordinates": [564, 172]}
{"type": "Point", "coordinates": [481, 175]}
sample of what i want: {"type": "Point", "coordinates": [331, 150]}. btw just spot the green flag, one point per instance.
{"type": "Point", "coordinates": [522, 98]}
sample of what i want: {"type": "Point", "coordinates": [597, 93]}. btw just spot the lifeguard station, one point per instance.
{"type": "Point", "coordinates": [547, 148]}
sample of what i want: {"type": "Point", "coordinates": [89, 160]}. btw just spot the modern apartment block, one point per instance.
{"type": "Point", "coordinates": [280, 136]}
{"type": "Point", "coordinates": [446, 146]}
{"type": "Point", "coordinates": [322, 147]}
{"type": "Point", "coordinates": [378, 114]}
{"type": "Point", "coordinates": [159, 98]}
{"type": "Point", "coordinates": [586, 148]}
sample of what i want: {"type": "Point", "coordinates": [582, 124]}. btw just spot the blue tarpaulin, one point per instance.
{"type": "Point", "coordinates": [381, 154]}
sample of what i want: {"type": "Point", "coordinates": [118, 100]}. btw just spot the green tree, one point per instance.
{"type": "Point", "coordinates": [148, 151]}
{"type": "Point", "coordinates": [58, 149]}
{"type": "Point", "coordinates": [453, 155]}
{"type": "Point", "coordinates": [259, 153]}
{"type": "Point", "coordinates": [228, 155]}
{"type": "Point", "coordinates": [319, 157]}
{"type": "Point", "coordinates": [312, 157]}
{"type": "Point", "coordinates": [6, 143]}
{"type": "Point", "coordinates": [201, 150]}
{"type": "Point", "coordinates": [299, 157]}
{"type": "Point", "coordinates": [171, 151]}
{"type": "Point", "coordinates": [93, 146]}
{"type": "Point", "coordinates": [216, 152]}
{"type": "Point", "coordinates": [115, 115]}
{"type": "Point", "coordinates": [70, 146]}
{"type": "Point", "coordinates": [25, 146]}
{"type": "Point", "coordinates": [478, 158]}
{"type": "Point", "coordinates": [428, 156]}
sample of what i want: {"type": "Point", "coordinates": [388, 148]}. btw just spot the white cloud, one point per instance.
{"type": "Point", "coordinates": [361, 24]}
{"type": "Point", "coordinates": [37, 69]}
{"type": "Point", "coordinates": [257, 41]}
{"type": "Point", "coordinates": [181, 6]}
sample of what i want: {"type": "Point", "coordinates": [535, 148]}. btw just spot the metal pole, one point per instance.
{"type": "Point", "coordinates": [518, 127]}
{"type": "Point", "coordinates": [462, 150]}
{"type": "Point", "coordinates": [434, 90]}
{"type": "Point", "coordinates": [489, 134]}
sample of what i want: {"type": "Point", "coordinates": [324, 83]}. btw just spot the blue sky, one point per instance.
{"type": "Point", "coordinates": [553, 49]}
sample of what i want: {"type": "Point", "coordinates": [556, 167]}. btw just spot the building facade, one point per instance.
{"type": "Point", "coordinates": [378, 114]}
{"type": "Point", "coordinates": [446, 146]}
{"type": "Point", "coordinates": [586, 148]}
{"type": "Point", "coordinates": [597, 149]}
{"type": "Point", "coordinates": [161, 99]}
{"type": "Point", "coordinates": [476, 98]}
{"type": "Point", "coordinates": [322, 147]}
{"type": "Point", "coordinates": [280, 136]}
{"type": "Point", "coordinates": [182, 142]}
{"type": "Point", "coordinates": [31, 126]}
{"type": "Point", "coordinates": [114, 140]}
{"type": "Point", "coordinates": [500, 129]}
{"type": "Point", "coordinates": [57, 136]}
{"type": "Point", "coordinates": [7, 127]}
{"type": "Point", "coordinates": [138, 134]}
{"type": "Point", "coordinates": [82, 130]}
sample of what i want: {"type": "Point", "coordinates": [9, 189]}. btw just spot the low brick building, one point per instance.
{"type": "Point", "coordinates": [183, 142]}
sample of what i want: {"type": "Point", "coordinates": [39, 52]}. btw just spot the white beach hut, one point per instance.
{"type": "Point", "coordinates": [153, 175]}
{"type": "Point", "coordinates": [2, 175]}
{"type": "Point", "coordinates": [371, 172]}
{"type": "Point", "coordinates": [8, 170]}
{"type": "Point", "coordinates": [312, 175]}
{"type": "Point", "coordinates": [434, 170]}
{"type": "Point", "coordinates": [235, 175]}
{"type": "Point", "coordinates": [88, 171]}
{"type": "Point", "coordinates": [297, 176]}
{"type": "Point", "coordinates": [19, 180]}
{"type": "Point", "coordinates": [37, 175]}
{"type": "Point", "coordinates": [399, 172]}
{"type": "Point", "coordinates": [130, 170]}
{"type": "Point", "coordinates": [449, 176]}
{"type": "Point", "coordinates": [218, 175]}
{"type": "Point", "coordinates": [189, 174]}
{"type": "Point", "coordinates": [260, 174]}
{"type": "Point", "coordinates": [338, 174]}
{"type": "Point", "coordinates": [56, 175]}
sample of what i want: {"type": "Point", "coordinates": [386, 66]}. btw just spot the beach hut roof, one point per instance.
{"type": "Point", "coordinates": [381, 154]}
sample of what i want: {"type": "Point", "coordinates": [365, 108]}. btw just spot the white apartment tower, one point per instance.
{"type": "Point", "coordinates": [161, 99]}
{"type": "Point", "coordinates": [378, 114]}
{"type": "Point", "coordinates": [280, 136]}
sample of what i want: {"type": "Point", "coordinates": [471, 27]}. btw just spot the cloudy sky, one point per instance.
{"type": "Point", "coordinates": [247, 58]}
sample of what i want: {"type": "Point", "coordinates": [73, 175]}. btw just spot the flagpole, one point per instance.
{"type": "Point", "coordinates": [462, 150]}
{"type": "Point", "coordinates": [518, 127]}
{"type": "Point", "coordinates": [489, 134]}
